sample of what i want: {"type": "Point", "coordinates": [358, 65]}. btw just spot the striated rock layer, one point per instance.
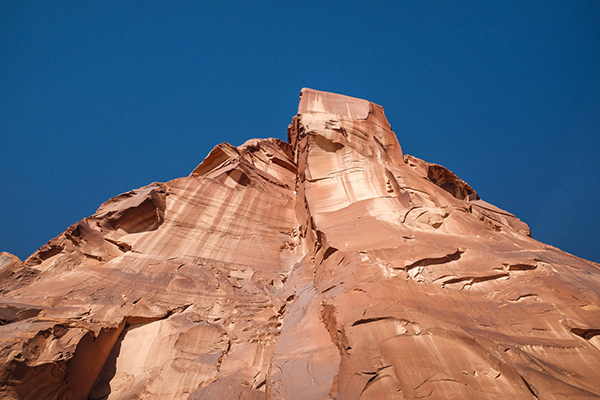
{"type": "Point", "coordinates": [332, 267]}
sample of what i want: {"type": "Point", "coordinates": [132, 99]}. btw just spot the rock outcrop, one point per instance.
{"type": "Point", "coordinates": [332, 267]}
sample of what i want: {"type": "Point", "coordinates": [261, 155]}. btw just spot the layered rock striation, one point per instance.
{"type": "Point", "coordinates": [332, 267]}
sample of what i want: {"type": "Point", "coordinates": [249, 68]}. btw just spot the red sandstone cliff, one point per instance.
{"type": "Point", "coordinates": [330, 267]}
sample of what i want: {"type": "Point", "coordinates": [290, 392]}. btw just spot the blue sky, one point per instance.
{"type": "Point", "coordinates": [98, 98]}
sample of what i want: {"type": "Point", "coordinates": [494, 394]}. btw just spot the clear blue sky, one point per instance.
{"type": "Point", "coordinates": [98, 98]}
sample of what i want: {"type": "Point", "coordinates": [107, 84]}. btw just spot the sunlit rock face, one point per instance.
{"type": "Point", "coordinates": [332, 267]}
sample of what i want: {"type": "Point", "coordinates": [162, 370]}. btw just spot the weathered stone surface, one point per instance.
{"type": "Point", "coordinates": [331, 267]}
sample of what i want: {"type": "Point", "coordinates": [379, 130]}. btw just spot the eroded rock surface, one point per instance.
{"type": "Point", "coordinates": [332, 267]}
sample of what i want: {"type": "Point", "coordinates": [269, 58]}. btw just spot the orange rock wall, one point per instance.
{"type": "Point", "coordinates": [331, 267]}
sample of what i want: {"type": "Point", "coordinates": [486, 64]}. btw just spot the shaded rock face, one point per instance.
{"type": "Point", "coordinates": [332, 267]}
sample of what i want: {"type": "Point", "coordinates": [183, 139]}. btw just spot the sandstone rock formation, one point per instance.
{"type": "Point", "coordinates": [332, 267]}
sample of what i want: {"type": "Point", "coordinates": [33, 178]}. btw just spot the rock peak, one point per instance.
{"type": "Point", "coordinates": [315, 101]}
{"type": "Point", "coordinates": [344, 121]}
